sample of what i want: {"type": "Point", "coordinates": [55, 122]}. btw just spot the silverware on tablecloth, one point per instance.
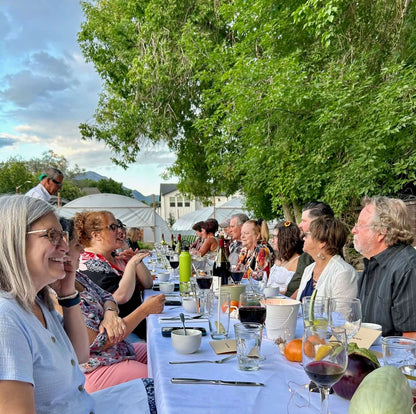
{"type": "Point", "coordinates": [215, 361]}
{"type": "Point", "coordinates": [215, 382]}
{"type": "Point", "coordinates": [177, 318]}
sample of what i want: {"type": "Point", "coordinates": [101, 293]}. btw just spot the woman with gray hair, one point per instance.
{"type": "Point", "coordinates": [39, 349]}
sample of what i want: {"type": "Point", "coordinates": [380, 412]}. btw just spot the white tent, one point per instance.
{"type": "Point", "coordinates": [222, 212]}
{"type": "Point", "coordinates": [131, 212]}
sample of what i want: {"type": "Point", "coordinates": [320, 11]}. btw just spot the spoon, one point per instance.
{"type": "Point", "coordinates": [182, 316]}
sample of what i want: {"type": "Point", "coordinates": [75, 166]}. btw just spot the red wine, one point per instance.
{"type": "Point", "coordinates": [324, 373]}
{"type": "Point", "coordinates": [237, 276]}
{"type": "Point", "coordinates": [252, 314]}
{"type": "Point", "coordinates": [204, 282]}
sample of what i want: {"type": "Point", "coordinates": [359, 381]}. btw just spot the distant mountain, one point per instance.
{"type": "Point", "coordinates": [91, 175]}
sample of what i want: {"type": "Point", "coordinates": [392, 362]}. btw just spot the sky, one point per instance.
{"type": "Point", "coordinates": [47, 89]}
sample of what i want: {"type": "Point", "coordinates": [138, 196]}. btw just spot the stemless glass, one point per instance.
{"type": "Point", "coordinates": [315, 311]}
{"type": "Point", "coordinates": [346, 313]}
{"type": "Point", "coordinates": [325, 358]}
{"type": "Point", "coordinates": [258, 280]}
{"type": "Point", "coordinates": [252, 307]}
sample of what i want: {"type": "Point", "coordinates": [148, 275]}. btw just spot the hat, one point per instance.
{"type": "Point", "coordinates": [225, 224]}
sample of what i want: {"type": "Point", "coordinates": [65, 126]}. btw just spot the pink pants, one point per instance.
{"type": "Point", "coordinates": [107, 376]}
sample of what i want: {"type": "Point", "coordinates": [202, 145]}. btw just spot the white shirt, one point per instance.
{"type": "Point", "coordinates": [338, 280]}
{"type": "Point", "coordinates": [280, 276]}
{"type": "Point", "coordinates": [39, 192]}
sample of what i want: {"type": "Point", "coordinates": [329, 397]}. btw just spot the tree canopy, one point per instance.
{"type": "Point", "coordinates": [285, 101]}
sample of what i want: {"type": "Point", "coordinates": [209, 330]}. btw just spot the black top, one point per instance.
{"type": "Point", "coordinates": [108, 278]}
{"type": "Point", "coordinates": [387, 290]}
{"type": "Point", "coordinates": [304, 260]}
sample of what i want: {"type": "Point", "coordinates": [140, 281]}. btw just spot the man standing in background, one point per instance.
{"type": "Point", "coordinates": [310, 212]}
{"type": "Point", "coordinates": [50, 182]}
{"type": "Point", "coordinates": [234, 247]}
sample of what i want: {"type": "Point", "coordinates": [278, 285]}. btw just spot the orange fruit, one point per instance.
{"type": "Point", "coordinates": [315, 340]}
{"type": "Point", "coordinates": [234, 304]}
{"type": "Point", "coordinates": [224, 307]}
{"type": "Point", "coordinates": [309, 349]}
{"type": "Point", "coordinates": [293, 350]}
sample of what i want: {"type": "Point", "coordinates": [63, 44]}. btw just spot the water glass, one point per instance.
{"type": "Point", "coordinates": [218, 310]}
{"type": "Point", "coordinates": [346, 313]}
{"type": "Point", "coordinates": [401, 353]}
{"type": "Point", "coordinates": [248, 339]}
{"type": "Point", "coordinates": [315, 311]}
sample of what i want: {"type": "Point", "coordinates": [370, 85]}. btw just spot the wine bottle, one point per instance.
{"type": "Point", "coordinates": [221, 265]}
{"type": "Point", "coordinates": [172, 242]}
{"type": "Point", "coordinates": [178, 245]}
{"type": "Point", "coordinates": [163, 242]}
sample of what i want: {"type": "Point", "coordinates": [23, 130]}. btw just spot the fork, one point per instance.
{"type": "Point", "coordinates": [215, 361]}
{"type": "Point", "coordinates": [187, 317]}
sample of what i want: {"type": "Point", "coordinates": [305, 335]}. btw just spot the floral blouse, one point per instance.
{"type": "Point", "coordinates": [92, 306]}
{"type": "Point", "coordinates": [258, 259]}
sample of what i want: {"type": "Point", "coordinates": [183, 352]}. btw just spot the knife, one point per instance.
{"type": "Point", "coordinates": [214, 382]}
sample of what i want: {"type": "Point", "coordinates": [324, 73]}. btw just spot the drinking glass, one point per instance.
{"type": "Point", "coordinates": [325, 358]}
{"type": "Point", "coordinates": [252, 307]}
{"type": "Point", "coordinates": [258, 280]}
{"type": "Point", "coordinates": [315, 311]}
{"type": "Point", "coordinates": [346, 313]}
{"type": "Point", "coordinates": [236, 274]}
{"type": "Point", "coordinates": [248, 340]}
{"type": "Point", "coordinates": [401, 353]}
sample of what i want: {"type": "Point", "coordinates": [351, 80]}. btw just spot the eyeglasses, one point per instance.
{"type": "Point", "coordinates": [307, 233]}
{"type": "Point", "coordinates": [112, 227]}
{"type": "Point", "coordinates": [274, 236]}
{"type": "Point", "coordinates": [359, 226]}
{"type": "Point", "coordinates": [54, 236]}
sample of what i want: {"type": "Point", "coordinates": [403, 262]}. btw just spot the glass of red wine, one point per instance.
{"type": "Point", "coordinates": [325, 358]}
{"type": "Point", "coordinates": [252, 307]}
{"type": "Point", "coordinates": [236, 274]}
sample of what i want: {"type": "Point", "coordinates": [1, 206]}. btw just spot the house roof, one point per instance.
{"type": "Point", "coordinates": [167, 188]}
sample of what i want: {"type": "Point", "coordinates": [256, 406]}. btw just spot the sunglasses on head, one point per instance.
{"type": "Point", "coordinates": [55, 236]}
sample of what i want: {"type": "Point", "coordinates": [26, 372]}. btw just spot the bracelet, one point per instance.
{"type": "Point", "coordinates": [72, 296]}
{"type": "Point", "coordinates": [71, 301]}
{"type": "Point", "coordinates": [112, 309]}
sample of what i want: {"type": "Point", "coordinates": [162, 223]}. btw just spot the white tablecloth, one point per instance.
{"type": "Point", "coordinates": [276, 373]}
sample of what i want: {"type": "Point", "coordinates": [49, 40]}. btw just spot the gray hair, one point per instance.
{"type": "Point", "coordinates": [390, 218]}
{"type": "Point", "coordinates": [241, 218]}
{"type": "Point", "coordinates": [18, 213]}
{"type": "Point", "coordinates": [53, 172]}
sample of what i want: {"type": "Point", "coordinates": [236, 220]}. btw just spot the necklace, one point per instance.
{"type": "Point", "coordinates": [291, 260]}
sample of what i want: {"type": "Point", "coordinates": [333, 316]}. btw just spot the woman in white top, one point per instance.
{"type": "Point", "coordinates": [287, 245]}
{"type": "Point", "coordinates": [330, 275]}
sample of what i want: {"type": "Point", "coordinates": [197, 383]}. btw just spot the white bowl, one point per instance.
{"type": "Point", "coordinates": [189, 304]}
{"type": "Point", "coordinates": [271, 291]}
{"type": "Point", "coordinates": [167, 287]}
{"type": "Point", "coordinates": [186, 344]}
{"type": "Point", "coordinates": [163, 277]}
{"type": "Point", "coordinates": [374, 326]}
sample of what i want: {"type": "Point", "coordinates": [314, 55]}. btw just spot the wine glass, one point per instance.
{"type": "Point", "coordinates": [258, 280]}
{"type": "Point", "coordinates": [325, 358]}
{"type": "Point", "coordinates": [346, 313]}
{"type": "Point", "coordinates": [236, 274]}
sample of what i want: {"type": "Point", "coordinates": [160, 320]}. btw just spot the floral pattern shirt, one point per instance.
{"type": "Point", "coordinates": [92, 306]}
{"type": "Point", "coordinates": [258, 259]}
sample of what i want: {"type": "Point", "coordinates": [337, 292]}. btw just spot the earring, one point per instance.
{"type": "Point", "coordinates": [321, 256]}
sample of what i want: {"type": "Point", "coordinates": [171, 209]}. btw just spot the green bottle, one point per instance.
{"type": "Point", "coordinates": [185, 266]}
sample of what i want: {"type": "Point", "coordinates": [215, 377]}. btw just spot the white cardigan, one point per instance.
{"type": "Point", "coordinates": [338, 280]}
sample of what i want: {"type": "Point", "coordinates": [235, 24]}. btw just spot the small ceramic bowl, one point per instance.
{"type": "Point", "coordinates": [167, 287]}
{"type": "Point", "coordinates": [374, 326]}
{"type": "Point", "coordinates": [189, 304]}
{"type": "Point", "coordinates": [186, 344]}
{"type": "Point", "coordinates": [163, 277]}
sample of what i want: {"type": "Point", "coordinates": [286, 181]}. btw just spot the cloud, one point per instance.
{"type": "Point", "coordinates": [26, 88]}
{"type": "Point", "coordinates": [6, 141]}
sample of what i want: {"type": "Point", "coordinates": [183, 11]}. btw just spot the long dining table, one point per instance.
{"type": "Point", "coordinates": [285, 387]}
